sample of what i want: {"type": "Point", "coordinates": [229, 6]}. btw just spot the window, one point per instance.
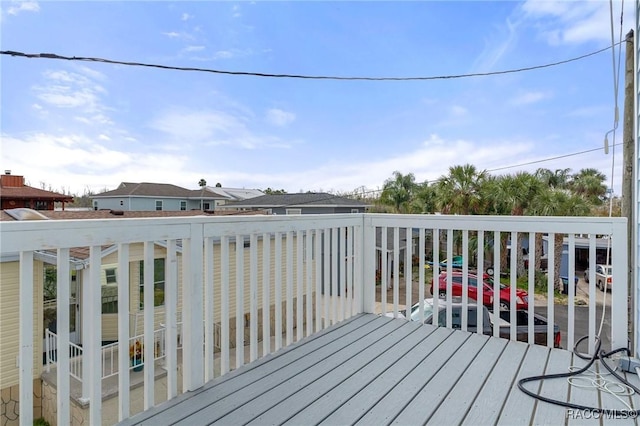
{"type": "Point", "coordinates": [158, 205]}
{"type": "Point", "coordinates": [158, 283]}
{"type": "Point", "coordinates": [183, 205]}
{"type": "Point", "coordinates": [109, 290]}
{"type": "Point", "coordinates": [122, 202]}
{"type": "Point", "coordinates": [206, 207]}
{"type": "Point", "coordinates": [294, 211]}
{"type": "Point", "coordinates": [40, 205]}
{"type": "Point", "coordinates": [355, 211]}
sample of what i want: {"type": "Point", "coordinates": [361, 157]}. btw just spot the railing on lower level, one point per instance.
{"type": "Point", "coordinates": [250, 285]}
{"type": "Point", "coordinates": [109, 353]}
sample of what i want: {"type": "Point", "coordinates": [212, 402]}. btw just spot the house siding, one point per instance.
{"type": "Point", "coordinates": [146, 203]}
{"type": "Point", "coordinates": [10, 323]}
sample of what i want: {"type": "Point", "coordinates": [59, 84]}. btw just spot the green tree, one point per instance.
{"type": "Point", "coordinates": [459, 192]}
{"type": "Point", "coordinates": [270, 191]}
{"type": "Point", "coordinates": [398, 191]}
{"type": "Point", "coordinates": [202, 183]}
{"type": "Point", "coordinates": [589, 184]}
{"type": "Point", "coordinates": [559, 203]}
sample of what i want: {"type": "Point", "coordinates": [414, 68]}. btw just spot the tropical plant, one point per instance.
{"type": "Point", "coordinates": [202, 183]}
{"type": "Point", "coordinates": [398, 191]}
{"type": "Point", "coordinates": [459, 192]}
{"type": "Point", "coordinates": [589, 184]}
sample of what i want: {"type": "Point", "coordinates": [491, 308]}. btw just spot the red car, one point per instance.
{"type": "Point", "coordinates": [522, 297]}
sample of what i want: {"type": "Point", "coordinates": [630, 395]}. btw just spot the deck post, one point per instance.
{"type": "Point", "coordinates": [26, 338]}
{"type": "Point", "coordinates": [368, 251]}
{"type": "Point", "coordinates": [619, 293]}
{"type": "Point", "coordinates": [192, 311]}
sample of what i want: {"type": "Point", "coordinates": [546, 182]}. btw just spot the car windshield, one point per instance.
{"type": "Point", "coordinates": [415, 311]}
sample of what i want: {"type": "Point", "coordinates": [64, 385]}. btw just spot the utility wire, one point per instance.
{"type": "Point", "coordinates": [299, 76]}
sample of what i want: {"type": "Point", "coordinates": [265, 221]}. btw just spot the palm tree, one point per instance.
{"type": "Point", "coordinates": [398, 191]}
{"type": "Point", "coordinates": [424, 199]}
{"type": "Point", "coordinates": [557, 179]}
{"type": "Point", "coordinates": [460, 191]}
{"type": "Point", "coordinates": [589, 184]}
{"type": "Point", "coordinates": [558, 203]}
{"type": "Point", "coordinates": [202, 183]}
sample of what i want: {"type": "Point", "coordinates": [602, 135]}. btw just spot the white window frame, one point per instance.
{"type": "Point", "coordinates": [160, 205]}
{"type": "Point", "coordinates": [294, 211]}
{"type": "Point", "coordinates": [183, 205]}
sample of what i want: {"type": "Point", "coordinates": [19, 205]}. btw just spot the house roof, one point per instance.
{"type": "Point", "coordinates": [116, 214]}
{"type": "Point", "coordinates": [235, 193]}
{"type": "Point", "coordinates": [28, 192]}
{"type": "Point", "coordinates": [307, 199]}
{"type": "Point", "coordinates": [164, 190]}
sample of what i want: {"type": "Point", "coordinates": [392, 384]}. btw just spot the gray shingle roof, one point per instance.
{"type": "Point", "coordinates": [164, 190]}
{"type": "Point", "coordinates": [298, 200]}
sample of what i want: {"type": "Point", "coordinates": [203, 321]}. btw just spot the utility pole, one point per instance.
{"type": "Point", "coordinates": [628, 158]}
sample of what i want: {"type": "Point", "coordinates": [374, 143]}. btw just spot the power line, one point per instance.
{"type": "Point", "coordinates": [298, 76]}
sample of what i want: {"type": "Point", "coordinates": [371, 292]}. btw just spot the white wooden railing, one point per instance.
{"type": "Point", "coordinates": [333, 259]}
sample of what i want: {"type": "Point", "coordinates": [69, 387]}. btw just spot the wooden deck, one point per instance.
{"type": "Point", "coordinates": [378, 370]}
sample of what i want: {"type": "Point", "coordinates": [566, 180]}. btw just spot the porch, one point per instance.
{"type": "Point", "coordinates": [322, 270]}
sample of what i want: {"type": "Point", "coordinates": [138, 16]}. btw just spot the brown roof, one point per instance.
{"type": "Point", "coordinates": [28, 192]}
{"type": "Point", "coordinates": [111, 214]}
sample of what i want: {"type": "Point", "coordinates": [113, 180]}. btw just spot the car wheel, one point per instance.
{"type": "Point", "coordinates": [600, 286]}
{"type": "Point", "coordinates": [586, 278]}
{"type": "Point", "coordinates": [442, 294]}
{"type": "Point", "coordinates": [490, 270]}
{"type": "Point", "coordinates": [504, 305]}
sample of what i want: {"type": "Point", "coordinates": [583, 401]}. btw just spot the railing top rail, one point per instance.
{"type": "Point", "coordinates": [563, 224]}
{"type": "Point", "coordinates": [51, 234]}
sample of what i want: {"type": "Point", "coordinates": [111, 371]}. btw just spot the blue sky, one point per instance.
{"type": "Point", "coordinates": [83, 125]}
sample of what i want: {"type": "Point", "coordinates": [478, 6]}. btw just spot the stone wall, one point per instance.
{"type": "Point", "coordinates": [10, 404]}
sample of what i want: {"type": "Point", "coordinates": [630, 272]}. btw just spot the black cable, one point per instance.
{"type": "Point", "coordinates": [299, 76]}
{"type": "Point", "coordinates": [598, 355]}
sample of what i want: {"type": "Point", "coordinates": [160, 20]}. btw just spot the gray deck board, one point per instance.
{"type": "Point", "coordinates": [428, 399]}
{"type": "Point", "coordinates": [547, 413]}
{"type": "Point", "coordinates": [377, 370]}
{"type": "Point", "coordinates": [317, 362]}
{"type": "Point", "coordinates": [518, 408]}
{"type": "Point", "coordinates": [321, 398]}
{"type": "Point", "coordinates": [303, 388]}
{"type": "Point", "coordinates": [497, 387]}
{"type": "Point", "coordinates": [359, 404]}
{"type": "Point", "coordinates": [581, 395]}
{"type": "Point", "coordinates": [456, 404]}
{"type": "Point", "coordinates": [395, 400]}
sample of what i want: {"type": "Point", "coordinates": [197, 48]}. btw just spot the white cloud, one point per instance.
{"type": "Point", "coordinates": [23, 6]}
{"type": "Point", "coordinates": [172, 34]}
{"type": "Point", "coordinates": [529, 98]}
{"type": "Point", "coordinates": [235, 11]}
{"type": "Point", "coordinates": [278, 117]}
{"type": "Point", "coordinates": [178, 35]}
{"type": "Point", "coordinates": [213, 128]}
{"type": "Point", "coordinates": [576, 22]}
{"type": "Point", "coordinates": [194, 48]}
{"type": "Point", "coordinates": [72, 90]}
{"type": "Point", "coordinates": [458, 110]}
{"type": "Point", "coordinates": [104, 138]}
{"type": "Point", "coordinates": [495, 49]}
{"type": "Point", "coordinates": [186, 16]}
{"type": "Point", "coordinates": [78, 162]}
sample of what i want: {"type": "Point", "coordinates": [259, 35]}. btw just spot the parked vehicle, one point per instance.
{"type": "Point", "coordinates": [456, 264]}
{"type": "Point", "coordinates": [603, 276]}
{"type": "Point", "coordinates": [522, 297]}
{"type": "Point", "coordinates": [522, 330]}
{"type": "Point", "coordinates": [489, 321]}
{"type": "Point", "coordinates": [456, 315]}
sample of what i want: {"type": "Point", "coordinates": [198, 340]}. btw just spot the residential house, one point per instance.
{"type": "Point", "coordinates": [301, 203]}
{"type": "Point", "coordinates": [15, 194]}
{"type": "Point", "coordinates": [145, 196]}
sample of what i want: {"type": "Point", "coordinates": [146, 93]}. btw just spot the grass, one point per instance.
{"type": "Point", "coordinates": [40, 422]}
